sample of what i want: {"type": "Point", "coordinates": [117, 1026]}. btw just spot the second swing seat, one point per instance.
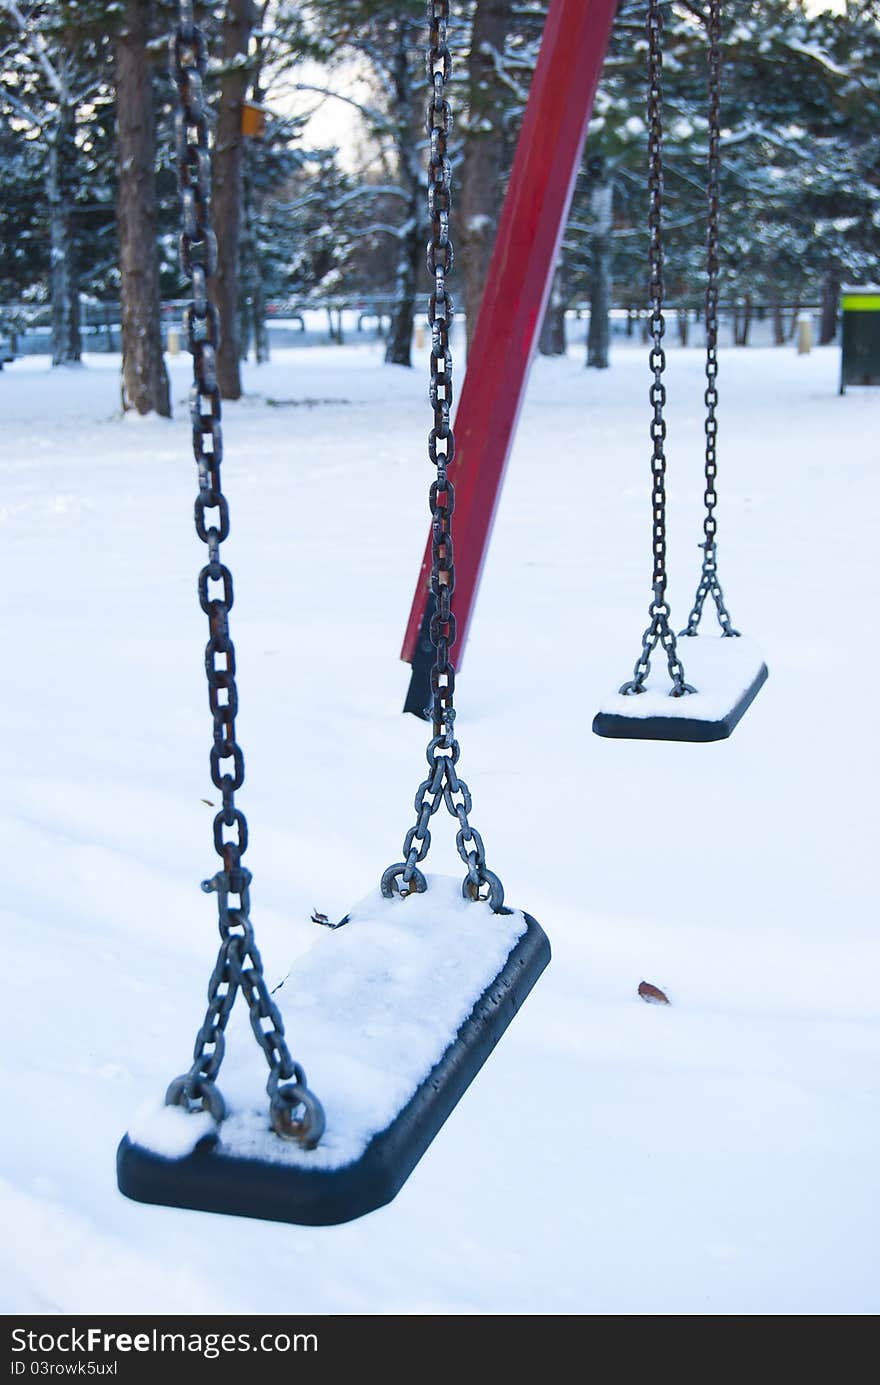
{"type": "Point", "coordinates": [727, 672]}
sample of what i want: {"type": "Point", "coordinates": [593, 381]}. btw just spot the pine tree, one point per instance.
{"type": "Point", "coordinates": [54, 72]}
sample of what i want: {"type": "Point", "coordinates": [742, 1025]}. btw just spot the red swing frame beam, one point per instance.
{"type": "Point", "coordinates": [530, 230]}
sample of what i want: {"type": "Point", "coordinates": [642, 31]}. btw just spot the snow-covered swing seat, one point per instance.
{"type": "Point", "coordinates": [714, 678]}
{"type": "Point", "coordinates": [400, 1004]}
{"type": "Point", "coordinates": [398, 1010]}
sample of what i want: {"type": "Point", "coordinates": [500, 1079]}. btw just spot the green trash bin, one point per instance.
{"type": "Point", "coordinates": [860, 342]}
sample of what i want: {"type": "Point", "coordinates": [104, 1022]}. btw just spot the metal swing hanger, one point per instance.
{"type": "Point", "coordinates": [724, 688]}
{"type": "Point", "coordinates": [443, 784]}
{"type": "Point", "coordinates": [294, 1111]}
{"type": "Point", "coordinates": [211, 1176]}
{"type": "Point", "coordinates": [659, 630]}
{"type": "Point", "coordinates": [709, 583]}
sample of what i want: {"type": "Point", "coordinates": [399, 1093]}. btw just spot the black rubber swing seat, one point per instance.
{"type": "Point", "coordinates": [248, 1171]}
{"type": "Point", "coordinates": [728, 673]}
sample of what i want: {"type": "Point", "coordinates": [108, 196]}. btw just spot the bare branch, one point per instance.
{"type": "Point", "coordinates": [381, 121]}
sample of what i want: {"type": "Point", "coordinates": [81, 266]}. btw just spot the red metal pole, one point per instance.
{"type": "Point", "coordinates": [532, 221]}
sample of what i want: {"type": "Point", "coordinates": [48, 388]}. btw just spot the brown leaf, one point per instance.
{"type": "Point", "coordinates": [652, 994]}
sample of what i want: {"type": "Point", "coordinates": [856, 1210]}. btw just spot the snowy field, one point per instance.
{"type": "Point", "coordinates": [715, 1156]}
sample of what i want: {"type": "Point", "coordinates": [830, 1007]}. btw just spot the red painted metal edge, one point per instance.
{"type": "Point", "coordinates": [530, 230]}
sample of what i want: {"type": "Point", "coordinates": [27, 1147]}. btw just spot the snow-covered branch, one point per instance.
{"type": "Point", "coordinates": [23, 110]}
{"type": "Point", "coordinates": [33, 40]}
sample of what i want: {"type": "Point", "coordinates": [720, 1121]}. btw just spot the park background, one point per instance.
{"type": "Point", "coordinates": [714, 1156]}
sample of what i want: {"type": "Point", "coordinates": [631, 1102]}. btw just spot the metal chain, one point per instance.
{"type": "Point", "coordinates": [295, 1113]}
{"type": "Point", "coordinates": [709, 585]}
{"type": "Point", "coordinates": [443, 784]}
{"type": "Point", "coordinates": [659, 631]}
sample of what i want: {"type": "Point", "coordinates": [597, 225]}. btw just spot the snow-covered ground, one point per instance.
{"type": "Point", "coordinates": [715, 1156]}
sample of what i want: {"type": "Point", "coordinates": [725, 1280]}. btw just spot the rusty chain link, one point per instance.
{"type": "Point", "coordinates": [295, 1112]}
{"type": "Point", "coordinates": [709, 585]}
{"type": "Point", "coordinates": [443, 784]}
{"type": "Point", "coordinates": [659, 630]}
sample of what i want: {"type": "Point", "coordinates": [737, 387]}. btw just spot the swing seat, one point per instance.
{"type": "Point", "coordinates": [728, 672]}
{"type": "Point", "coordinates": [401, 1006]}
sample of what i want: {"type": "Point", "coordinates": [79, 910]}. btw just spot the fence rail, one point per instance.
{"type": "Point", "coordinates": [26, 328]}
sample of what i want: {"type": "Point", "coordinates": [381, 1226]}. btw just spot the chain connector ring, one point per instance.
{"type": "Point", "coordinates": [297, 1114]}
{"type": "Point", "coordinates": [494, 896]}
{"type": "Point", "coordinates": [186, 1094]}
{"type": "Point", "coordinates": [394, 875]}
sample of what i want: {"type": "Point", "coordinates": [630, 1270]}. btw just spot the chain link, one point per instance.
{"type": "Point", "coordinates": [295, 1113]}
{"type": "Point", "coordinates": [709, 585]}
{"type": "Point", "coordinates": [659, 631]}
{"type": "Point", "coordinates": [443, 784]}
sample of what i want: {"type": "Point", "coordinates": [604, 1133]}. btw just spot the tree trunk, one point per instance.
{"type": "Point", "coordinates": [227, 188]}
{"type": "Point", "coordinates": [258, 317]}
{"type": "Point", "coordinates": [599, 334]}
{"type": "Point", "coordinates": [742, 321]}
{"type": "Point", "coordinates": [778, 324]}
{"type": "Point", "coordinates": [261, 326]}
{"type": "Point", "coordinates": [552, 339]}
{"type": "Point", "coordinates": [66, 339]}
{"type": "Point", "coordinates": [254, 296]}
{"type": "Point", "coordinates": [830, 301]}
{"type": "Point", "coordinates": [683, 320]}
{"type": "Point", "coordinates": [144, 377]}
{"type": "Point", "coordinates": [795, 315]}
{"type": "Point", "coordinates": [398, 348]}
{"type": "Point", "coordinates": [411, 247]}
{"type": "Point", "coordinates": [252, 299]}
{"type": "Point", "coordinates": [244, 314]}
{"type": "Point", "coordinates": [483, 153]}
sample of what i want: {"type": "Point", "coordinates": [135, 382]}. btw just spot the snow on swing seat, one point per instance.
{"type": "Point", "coordinates": [392, 1015]}
{"type": "Point", "coordinates": [727, 672]}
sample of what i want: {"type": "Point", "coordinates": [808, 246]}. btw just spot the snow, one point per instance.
{"type": "Point", "coordinates": [720, 670]}
{"type": "Point", "coordinates": [714, 1156]}
{"type": "Point", "coordinates": [370, 1009]}
{"type": "Point", "coordinates": [812, 50]}
{"type": "Point", "coordinates": [479, 223]}
{"type": "Point", "coordinates": [169, 1130]}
